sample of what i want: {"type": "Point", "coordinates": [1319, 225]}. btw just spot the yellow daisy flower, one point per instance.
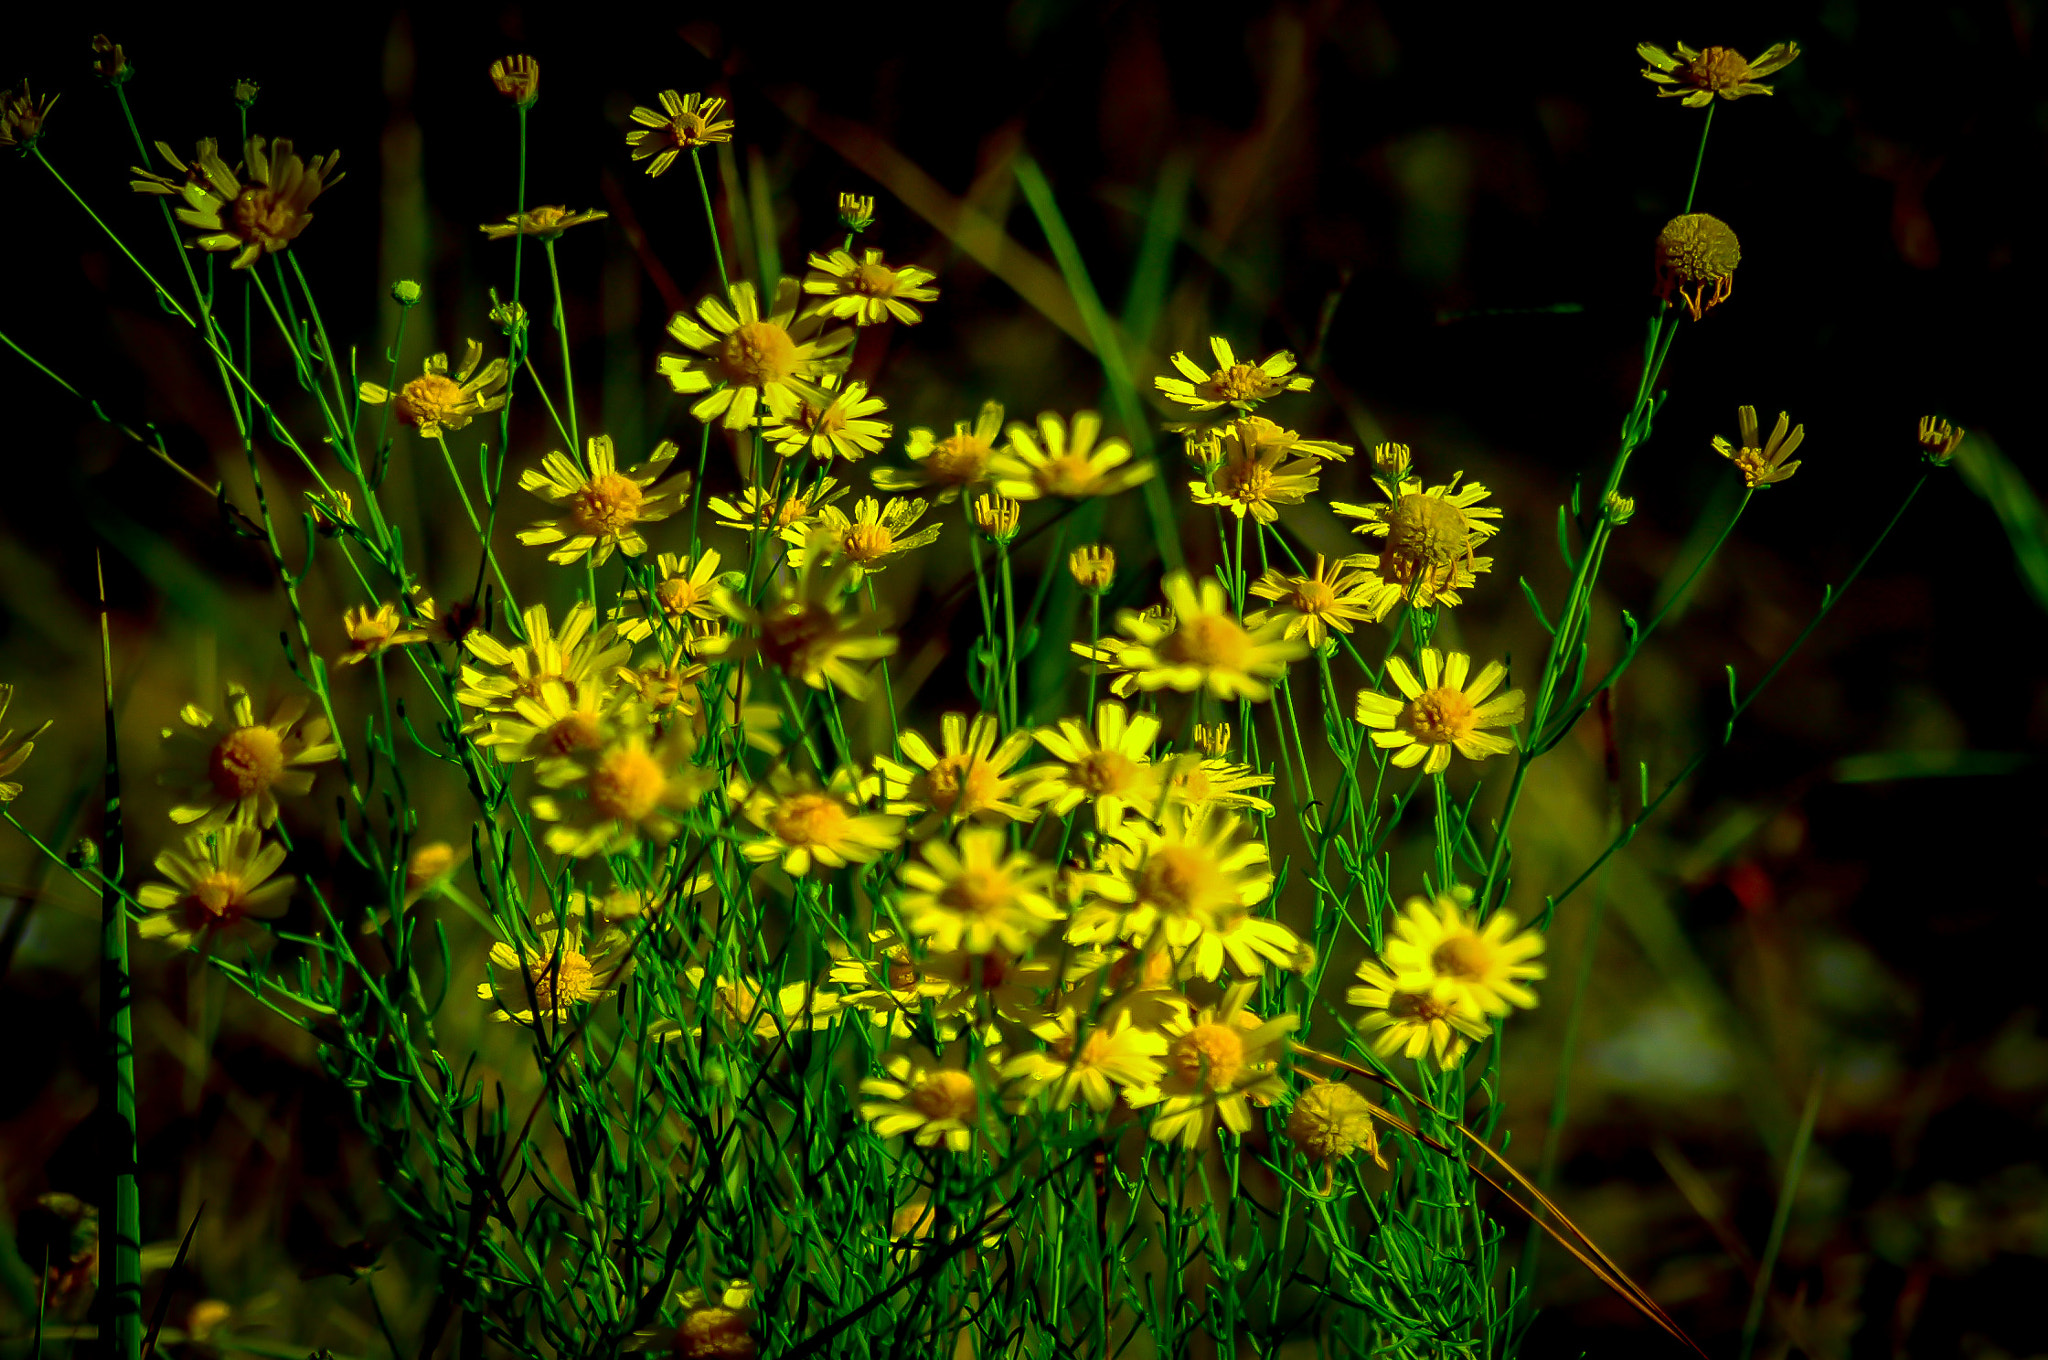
{"type": "Point", "coordinates": [978, 897]}
{"type": "Point", "coordinates": [683, 592]}
{"type": "Point", "coordinates": [1196, 783]}
{"type": "Point", "coordinates": [1109, 768]}
{"type": "Point", "coordinates": [745, 359]}
{"type": "Point", "coordinates": [667, 689]}
{"type": "Point", "coordinates": [220, 883]}
{"type": "Point", "coordinates": [758, 508]}
{"type": "Point", "coordinates": [14, 750]}
{"type": "Point", "coordinates": [436, 402]}
{"type": "Point", "coordinates": [1064, 461]}
{"type": "Point", "coordinates": [235, 770]}
{"type": "Point", "coordinates": [605, 506]}
{"type": "Point", "coordinates": [1413, 1016]}
{"type": "Point", "coordinates": [552, 974]}
{"type": "Point", "coordinates": [1440, 940]}
{"type": "Point", "coordinates": [683, 123]}
{"type": "Point", "coordinates": [1217, 1063]}
{"type": "Point", "coordinates": [866, 542]}
{"type": "Point", "coordinates": [576, 655]}
{"type": "Point", "coordinates": [1171, 888]}
{"type": "Point", "coordinates": [805, 630]}
{"type": "Point", "coordinates": [867, 292]}
{"type": "Point", "coordinates": [832, 423]}
{"type": "Point", "coordinates": [373, 631]}
{"type": "Point", "coordinates": [959, 461]}
{"type": "Point", "coordinates": [1430, 537]}
{"type": "Point", "coordinates": [553, 724]}
{"type": "Point", "coordinates": [1697, 77]}
{"type": "Point", "coordinates": [967, 779]}
{"type": "Point", "coordinates": [256, 219]}
{"type": "Point", "coordinates": [1115, 1054]}
{"type": "Point", "coordinates": [1248, 476]}
{"type": "Point", "coordinates": [1762, 461]}
{"type": "Point", "coordinates": [631, 788]}
{"type": "Point", "coordinates": [1233, 382]}
{"type": "Point", "coordinates": [802, 824]}
{"type": "Point", "coordinates": [547, 223]}
{"type": "Point", "coordinates": [936, 1103]}
{"type": "Point", "coordinates": [1200, 645]}
{"type": "Point", "coordinates": [1441, 713]}
{"type": "Point", "coordinates": [893, 988]}
{"type": "Point", "coordinates": [746, 1006]}
{"type": "Point", "coordinates": [1312, 605]}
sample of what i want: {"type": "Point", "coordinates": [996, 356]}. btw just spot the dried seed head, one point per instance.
{"type": "Point", "coordinates": [1694, 251]}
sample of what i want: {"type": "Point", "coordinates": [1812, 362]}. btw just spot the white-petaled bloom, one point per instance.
{"type": "Point", "coordinates": [605, 507]}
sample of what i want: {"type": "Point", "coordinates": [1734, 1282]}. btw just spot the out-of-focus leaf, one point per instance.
{"type": "Point", "coordinates": [1881, 765]}
{"type": "Point", "coordinates": [1988, 472]}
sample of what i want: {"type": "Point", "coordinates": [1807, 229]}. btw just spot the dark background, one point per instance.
{"type": "Point", "coordinates": [1448, 176]}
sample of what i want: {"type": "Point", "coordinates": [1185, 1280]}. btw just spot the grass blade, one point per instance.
{"type": "Point", "coordinates": [1794, 1165]}
{"type": "Point", "coordinates": [120, 1298]}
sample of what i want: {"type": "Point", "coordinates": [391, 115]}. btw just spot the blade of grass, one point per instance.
{"type": "Point", "coordinates": [120, 1298]}
{"type": "Point", "coordinates": [163, 1298]}
{"type": "Point", "coordinates": [1109, 351]}
{"type": "Point", "coordinates": [1795, 1164]}
{"type": "Point", "coordinates": [1988, 472]}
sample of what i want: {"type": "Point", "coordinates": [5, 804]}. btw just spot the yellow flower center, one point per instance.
{"type": "Point", "coordinates": [714, 1334]}
{"type": "Point", "coordinates": [1245, 481]}
{"type": "Point", "coordinates": [1096, 1050]}
{"type": "Point", "coordinates": [1311, 596]}
{"type": "Point", "coordinates": [790, 632]}
{"type": "Point", "coordinates": [1717, 68]}
{"type": "Point", "coordinates": [872, 279]}
{"type": "Point", "coordinates": [607, 506]}
{"type": "Point", "coordinates": [627, 785]}
{"type": "Point", "coordinates": [560, 983]}
{"type": "Point", "coordinates": [431, 399]}
{"type": "Point", "coordinates": [1239, 382]}
{"type": "Point", "coordinates": [246, 761]}
{"type": "Point", "coordinates": [1418, 1007]}
{"type": "Point", "coordinates": [1426, 536]}
{"type": "Point", "coordinates": [1209, 1055]}
{"type": "Point", "coordinates": [1101, 772]}
{"type": "Point", "coordinates": [1463, 956]}
{"type": "Point", "coordinates": [979, 892]}
{"type": "Point", "coordinates": [1438, 715]}
{"type": "Point", "coordinates": [577, 732]}
{"type": "Point", "coordinates": [757, 354]}
{"type": "Point", "coordinates": [1193, 784]}
{"type": "Point", "coordinates": [807, 819]}
{"type": "Point", "coordinates": [1177, 880]}
{"type": "Point", "coordinates": [688, 129]}
{"type": "Point", "coordinates": [959, 785]}
{"type": "Point", "coordinates": [1210, 641]}
{"type": "Point", "coordinates": [428, 863]}
{"type": "Point", "coordinates": [959, 459]}
{"type": "Point", "coordinates": [541, 219]}
{"type": "Point", "coordinates": [902, 975]}
{"type": "Point", "coordinates": [826, 420]}
{"type": "Point", "coordinates": [866, 543]}
{"type": "Point", "coordinates": [1070, 474]}
{"type": "Point", "coordinates": [218, 894]}
{"type": "Point", "coordinates": [262, 216]}
{"type": "Point", "coordinates": [946, 1095]}
{"type": "Point", "coordinates": [678, 595]}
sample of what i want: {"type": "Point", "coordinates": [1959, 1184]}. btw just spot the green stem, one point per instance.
{"type": "Point", "coordinates": [711, 222]}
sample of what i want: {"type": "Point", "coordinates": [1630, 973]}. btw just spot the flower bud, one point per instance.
{"type": "Point", "coordinates": [1939, 440]}
{"type": "Point", "coordinates": [109, 62]}
{"type": "Point", "coordinates": [1093, 567]}
{"type": "Point", "coordinates": [246, 91]}
{"type": "Point", "coordinates": [405, 293]}
{"type": "Point", "coordinates": [857, 211]}
{"type": "Point", "coordinates": [1617, 509]}
{"type": "Point", "coordinates": [517, 77]}
{"type": "Point", "coordinates": [996, 517]}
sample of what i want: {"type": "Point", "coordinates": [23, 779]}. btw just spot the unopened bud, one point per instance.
{"type": "Point", "coordinates": [405, 293]}
{"type": "Point", "coordinates": [996, 517]}
{"type": "Point", "coordinates": [1939, 440]}
{"type": "Point", "coordinates": [517, 77]}
{"type": "Point", "coordinates": [1617, 509]}
{"type": "Point", "coordinates": [1093, 567]}
{"type": "Point", "coordinates": [857, 211]}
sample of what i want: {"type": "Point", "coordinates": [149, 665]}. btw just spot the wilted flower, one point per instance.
{"type": "Point", "coordinates": [1695, 250]}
